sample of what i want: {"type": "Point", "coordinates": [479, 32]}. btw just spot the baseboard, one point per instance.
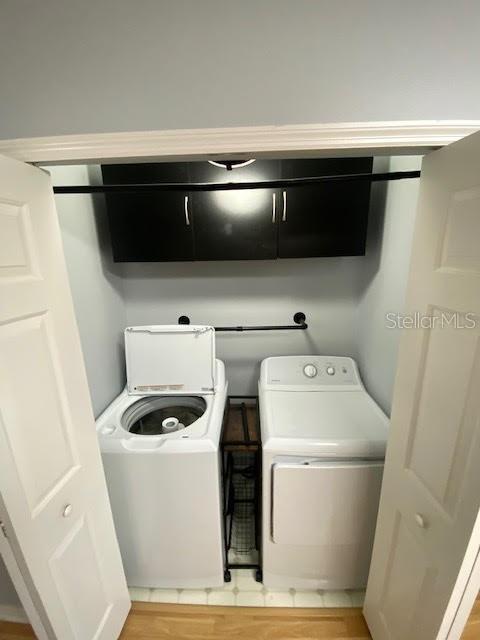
{"type": "Point", "coordinates": [12, 613]}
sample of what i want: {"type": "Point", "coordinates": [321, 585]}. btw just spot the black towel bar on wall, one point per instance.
{"type": "Point", "coordinates": [299, 320]}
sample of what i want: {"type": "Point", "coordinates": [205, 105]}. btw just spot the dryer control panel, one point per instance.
{"type": "Point", "coordinates": [310, 371]}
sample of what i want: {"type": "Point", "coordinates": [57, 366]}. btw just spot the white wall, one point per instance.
{"type": "Point", "coordinates": [95, 283]}
{"type": "Point", "coordinates": [263, 292]}
{"type": "Point", "coordinates": [118, 65]}
{"type": "Point", "coordinates": [391, 223]}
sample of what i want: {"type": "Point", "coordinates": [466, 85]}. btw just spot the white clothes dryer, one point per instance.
{"type": "Point", "coordinates": [323, 444]}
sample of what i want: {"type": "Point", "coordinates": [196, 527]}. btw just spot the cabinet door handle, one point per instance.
{"type": "Point", "coordinates": [187, 219]}
{"type": "Point", "coordinates": [284, 214]}
{"type": "Point", "coordinates": [274, 208]}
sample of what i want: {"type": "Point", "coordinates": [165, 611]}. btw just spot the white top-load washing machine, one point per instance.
{"type": "Point", "coordinates": [323, 442]}
{"type": "Point", "coordinates": [159, 442]}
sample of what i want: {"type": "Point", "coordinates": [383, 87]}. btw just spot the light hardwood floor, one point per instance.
{"type": "Point", "coordinates": [153, 621]}
{"type": "Point", "coordinates": [472, 630]}
{"type": "Point", "coordinates": [148, 622]}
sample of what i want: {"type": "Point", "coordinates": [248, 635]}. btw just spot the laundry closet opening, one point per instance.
{"type": "Point", "coordinates": [336, 251]}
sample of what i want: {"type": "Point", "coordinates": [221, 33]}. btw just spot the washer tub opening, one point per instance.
{"type": "Point", "coordinates": [159, 415]}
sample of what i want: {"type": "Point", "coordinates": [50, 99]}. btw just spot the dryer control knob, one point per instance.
{"type": "Point", "coordinates": [331, 370]}
{"type": "Point", "coordinates": [310, 370]}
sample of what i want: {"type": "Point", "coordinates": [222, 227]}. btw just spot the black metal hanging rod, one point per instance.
{"type": "Point", "coordinates": [299, 320]}
{"type": "Point", "coordinates": [230, 186]}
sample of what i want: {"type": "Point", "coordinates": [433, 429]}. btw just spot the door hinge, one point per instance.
{"type": "Point", "coordinates": [4, 529]}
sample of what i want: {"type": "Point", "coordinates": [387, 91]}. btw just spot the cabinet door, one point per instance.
{"type": "Point", "coordinates": [149, 227]}
{"type": "Point", "coordinates": [239, 224]}
{"type": "Point", "coordinates": [328, 219]}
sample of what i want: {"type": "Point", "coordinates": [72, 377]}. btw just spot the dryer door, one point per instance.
{"type": "Point", "coordinates": [326, 504]}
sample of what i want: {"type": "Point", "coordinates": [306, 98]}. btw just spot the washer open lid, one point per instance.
{"type": "Point", "coordinates": [170, 359]}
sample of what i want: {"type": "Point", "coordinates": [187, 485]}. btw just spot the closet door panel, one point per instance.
{"type": "Point", "coordinates": [238, 224]}
{"type": "Point", "coordinates": [149, 227]}
{"type": "Point", "coordinates": [326, 219]}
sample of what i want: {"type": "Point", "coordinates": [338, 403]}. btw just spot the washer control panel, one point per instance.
{"type": "Point", "coordinates": [307, 371]}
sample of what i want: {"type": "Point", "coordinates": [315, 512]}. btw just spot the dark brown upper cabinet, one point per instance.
{"type": "Point", "coordinates": [239, 224]}
{"type": "Point", "coordinates": [149, 227]}
{"type": "Point", "coordinates": [325, 219]}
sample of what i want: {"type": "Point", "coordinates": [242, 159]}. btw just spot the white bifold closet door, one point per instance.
{"type": "Point", "coordinates": [431, 485]}
{"type": "Point", "coordinates": [54, 506]}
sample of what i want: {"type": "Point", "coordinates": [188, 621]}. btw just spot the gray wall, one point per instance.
{"type": "Point", "coordinates": [345, 299]}
{"type": "Point", "coordinates": [270, 292]}
{"type": "Point", "coordinates": [385, 272]}
{"type": "Point", "coordinates": [10, 607]}
{"type": "Point", "coordinates": [113, 65]}
{"type": "Point", "coordinates": [95, 283]}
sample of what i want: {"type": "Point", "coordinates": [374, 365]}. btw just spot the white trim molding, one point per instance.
{"type": "Point", "coordinates": [242, 142]}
